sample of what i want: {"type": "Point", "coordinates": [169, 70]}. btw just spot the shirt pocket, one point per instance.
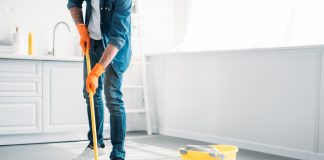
{"type": "Point", "coordinates": [106, 11]}
{"type": "Point", "coordinates": [106, 16]}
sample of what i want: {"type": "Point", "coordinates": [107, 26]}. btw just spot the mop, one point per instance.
{"type": "Point", "coordinates": [93, 119]}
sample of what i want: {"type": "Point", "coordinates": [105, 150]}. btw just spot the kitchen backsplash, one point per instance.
{"type": "Point", "coordinates": [40, 17]}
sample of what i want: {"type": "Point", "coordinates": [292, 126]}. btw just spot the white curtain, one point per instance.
{"type": "Point", "coordinates": [237, 24]}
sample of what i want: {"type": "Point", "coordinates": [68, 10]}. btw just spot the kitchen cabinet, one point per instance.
{"type": "Point", "coordinates": [41, 99]}
{"type": "Point", "coordinates": [64, 105]}
{"type": "Point", "coordinates": [20, 115]}
{"type": "Point", "coordinates": [20, 68]}
{"type": "Point", "coordinates": [20, 96]}
{"type": "Point", "coordinates": [21, 87]}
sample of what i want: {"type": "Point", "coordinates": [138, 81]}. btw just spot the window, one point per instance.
{"type": "Point", "coordinates": [237, 24]}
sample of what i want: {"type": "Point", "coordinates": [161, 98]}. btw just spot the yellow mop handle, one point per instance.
{"type": "Point", "coordinates": [93, 119]}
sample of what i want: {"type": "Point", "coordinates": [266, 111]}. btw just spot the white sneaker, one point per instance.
{"type": "Point", "coordinates": [88, 154]}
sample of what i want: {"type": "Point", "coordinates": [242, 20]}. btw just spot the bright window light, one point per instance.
{"type": "Point", "coordinates": [238, 24]}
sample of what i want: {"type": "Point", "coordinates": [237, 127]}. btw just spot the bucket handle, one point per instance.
{"type": "Point", "coordinates": [212, 151]}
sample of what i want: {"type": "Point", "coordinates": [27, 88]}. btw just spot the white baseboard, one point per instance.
{"type": "Point", "coordinates": [259, 147]}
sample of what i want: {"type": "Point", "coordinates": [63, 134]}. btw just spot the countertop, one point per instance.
{"type": "Point", "coordinates": [42, 57]}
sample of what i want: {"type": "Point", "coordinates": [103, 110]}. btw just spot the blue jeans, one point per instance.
{"type": "Point", "coordinates": [111, 82]}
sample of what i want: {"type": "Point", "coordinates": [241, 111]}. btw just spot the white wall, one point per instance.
{"type": "Point", "coordinates": [182, 14]}
{"type": "Point", "coordinates": [159, 25]}
{"type": "Point", "coordinates": [39, 17]}
{"type": "Point", "coordinates": [321, 112]}
{"type": "Point", "coordinates": [264, 99]}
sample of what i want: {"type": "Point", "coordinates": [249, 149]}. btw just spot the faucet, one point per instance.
{"type": "Point", "coordinates": [57, 24]}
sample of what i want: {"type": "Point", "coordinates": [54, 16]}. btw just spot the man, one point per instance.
{"type": "Point", "coordinates": [106, 32]}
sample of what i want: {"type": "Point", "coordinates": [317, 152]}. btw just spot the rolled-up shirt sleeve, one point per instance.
{"type": "Point", "coordinates": [120, 23]}
{"type": "Point", "coordinates": [74, 3]}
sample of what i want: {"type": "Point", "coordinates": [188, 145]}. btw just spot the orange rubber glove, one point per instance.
{"type": "Point", "coordinates": [84, 37]}
{"type": "Point", "coordinates": [92, 79]}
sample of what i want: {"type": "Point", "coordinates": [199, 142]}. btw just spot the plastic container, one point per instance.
{"type": "Point", "coordinates": [17, 43]}
{"type": "Point", "coordinates": [30, 43]}
{"type": "Point", "coordinates": [213, 152]}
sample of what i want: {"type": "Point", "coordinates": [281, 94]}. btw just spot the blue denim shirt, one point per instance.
{"type": "Point", "coordinates": [115, 27]}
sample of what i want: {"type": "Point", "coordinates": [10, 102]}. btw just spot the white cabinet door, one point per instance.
{"type": "Point", "coordinates": [20, 96]}
{"type": "Point", "coordinates": [64, 106]}
{"type": "Point", "coordinates": [20, 87]}
{"type": "Point", "coordinates": [20, 115]}
{"type": "Point", "coordinates": [20, 68]}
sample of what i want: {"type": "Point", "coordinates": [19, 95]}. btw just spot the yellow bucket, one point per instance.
{"type": "Point", "coordinates": [213, 152]}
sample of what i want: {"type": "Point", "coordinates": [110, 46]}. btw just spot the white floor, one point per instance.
{"type": "Point", "coordinates": [138, 147]}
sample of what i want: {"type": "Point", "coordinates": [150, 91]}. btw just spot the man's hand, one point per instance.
{"type": "Point", "coordinates": [92, 79]}
{"type": "Point", "coordinates": [84, 37]}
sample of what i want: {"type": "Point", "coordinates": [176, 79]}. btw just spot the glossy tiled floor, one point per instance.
{"type": "Point", "coordinates": [138, 147]}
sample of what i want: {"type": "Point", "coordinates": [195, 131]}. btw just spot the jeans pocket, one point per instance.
{"type": "Point", "coordinates": [115, 71]}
